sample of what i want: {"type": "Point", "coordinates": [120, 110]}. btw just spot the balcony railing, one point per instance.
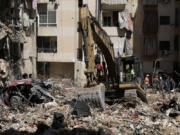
{"type": "Point", "coordinates": [45, 1]}
{"type": "Point", "coordinates": [114, 2]}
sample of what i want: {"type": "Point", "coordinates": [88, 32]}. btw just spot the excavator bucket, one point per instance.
{"type": "Point", "coordinates": [94, 96]}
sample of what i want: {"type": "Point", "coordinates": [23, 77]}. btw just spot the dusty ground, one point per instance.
{"type": "Point", "coordinates": [116, 119]}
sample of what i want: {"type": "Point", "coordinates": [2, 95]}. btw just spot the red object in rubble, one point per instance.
{"type": "Point", "coordinates": [99, 67]}
{"type": "Point", "coordinates": [135, 116]}
{"type": "Point", "coordinates": [27, 81]}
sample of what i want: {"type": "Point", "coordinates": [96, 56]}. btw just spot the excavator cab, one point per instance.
{"type": "Point", "coordinates": [129, 70]}
{"type": "Point", "coordinates": [130, 77]}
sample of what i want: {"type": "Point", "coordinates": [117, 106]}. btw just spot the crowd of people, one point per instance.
{"type": "Point", "coordinates": [162, 83]}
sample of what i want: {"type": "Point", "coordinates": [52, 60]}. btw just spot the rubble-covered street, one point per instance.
{"type": "Point", "coordinates": [56, 117]}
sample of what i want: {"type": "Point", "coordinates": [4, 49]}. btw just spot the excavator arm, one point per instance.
{"type": "Point", "coordinates": [93, 34]}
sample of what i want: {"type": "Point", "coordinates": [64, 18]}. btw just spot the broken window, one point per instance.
{"type": "Point", "coordinates": [164, 45]}
{"type": "Point", "coordinates": [47, 44]}
{"type": "Point", "coordinates": [150, 46]}
{"type": "Point", "coordinates": [47, 17]}
{"type": "Point", "coordinates": [164, 20]}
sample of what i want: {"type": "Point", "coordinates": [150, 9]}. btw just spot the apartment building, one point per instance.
{"type": "Point", "coordinates": [59, 44]}
{"type": "Point", "coordinates": [159, 36]}
{"type": "Point", "coordinates": [115, 16]}
{"type": "Point", "coordinates": [57, 37]}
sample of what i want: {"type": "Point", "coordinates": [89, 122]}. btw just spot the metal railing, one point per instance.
{"type": "Point", "coordinates": [113, 2]}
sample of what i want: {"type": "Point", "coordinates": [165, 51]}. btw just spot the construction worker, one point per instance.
{"type": "Point", "coordinates": [100, 70]}
{"type": "Point", "coordinates": [132, 73]}
{"type": "Point", "coordinates": [146, 81]}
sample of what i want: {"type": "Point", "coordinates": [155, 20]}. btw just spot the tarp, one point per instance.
{"type": "Point", "coordinates": [27, 21]}
{"type": "Point", "coordinates": [125, 21]}
{"type": "Point", "coordinates": [118, 45]}
{"type": "Point", "coordinates": [121, 46]}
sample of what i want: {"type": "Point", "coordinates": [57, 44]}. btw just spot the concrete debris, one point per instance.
{"type": "Point", "coordinates": [81, 109]}
{"type": "Point", "coordinates": [57, 117]}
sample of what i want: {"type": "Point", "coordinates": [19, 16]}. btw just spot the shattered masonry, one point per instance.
{"type": "Point", "coordinates": [17, 29]}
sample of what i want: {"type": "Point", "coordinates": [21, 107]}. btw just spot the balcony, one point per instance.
{"type": "Point", "coordinates": [45, 1]}
{"type": "Point", "coordinates": [113, 4]}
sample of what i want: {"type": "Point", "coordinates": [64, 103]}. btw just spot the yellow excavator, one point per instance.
{"type": "Point", "coordinates": [116, 76]}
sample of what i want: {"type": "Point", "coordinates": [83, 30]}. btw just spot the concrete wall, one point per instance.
{"type": "Point", "coordinates": [30, 54]}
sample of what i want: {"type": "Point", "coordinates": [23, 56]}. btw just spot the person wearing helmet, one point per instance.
{"type": "Point", "coordinates": [146, 81]}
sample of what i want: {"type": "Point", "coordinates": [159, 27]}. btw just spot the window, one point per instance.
{"type": "Point", "coordinates": [176, 42]}
{"type": "Point", "coordinates": [177, 17]}
{"type": "Point", "coordinates": [46, 17]}
{"type": "Point", "coordinates": [150, 46]}
{"type": "Point", "coordinates": [107, 21]}
{"type": "Point", "coordinates": [164, 45]}
{"type": "Point", "coordinates": [47, 44]}
{"type": "Point", "coordinates": [150, 24]}
{"type": "Point", "coordinates": [164, 20]}
{"type": "Point", "coordinates": [80, 3]}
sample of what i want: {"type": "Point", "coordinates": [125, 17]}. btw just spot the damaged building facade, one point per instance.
{"type": "Point", "coordinates": [59, 44]}
{"type": "Point", "coordinates": [41, 37]}
{"type": "Point", "coordinates": [157, 42]}
{"type": "Point", "coordinates": [17, 38]}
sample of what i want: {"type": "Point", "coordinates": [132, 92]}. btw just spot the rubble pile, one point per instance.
{"type": "Point", "coordinates": [58, 117]}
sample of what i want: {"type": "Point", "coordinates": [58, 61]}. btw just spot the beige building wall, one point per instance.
{"type": "Point", "coordinates": [92, 5]}
{"type": "Point", "coordinates": [61, 69]}
{"type": "Point", "coordinates": [66, 32]}
{"type": "Point", "coordinates": [62, 62]}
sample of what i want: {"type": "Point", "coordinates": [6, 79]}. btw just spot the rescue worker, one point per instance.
{"type": "Point", "coordinates": [146, 81]}
{"type": "Point", "coordinates": [168, 84]}
{"type": "Point", "coordinates": [172, 84]}
{"type": "Point", "coordinates": [100, 70]}
{"type": "Point", "coordinates": [161, 86]}
{"type": "Point", "coordinates": [132, 73]}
